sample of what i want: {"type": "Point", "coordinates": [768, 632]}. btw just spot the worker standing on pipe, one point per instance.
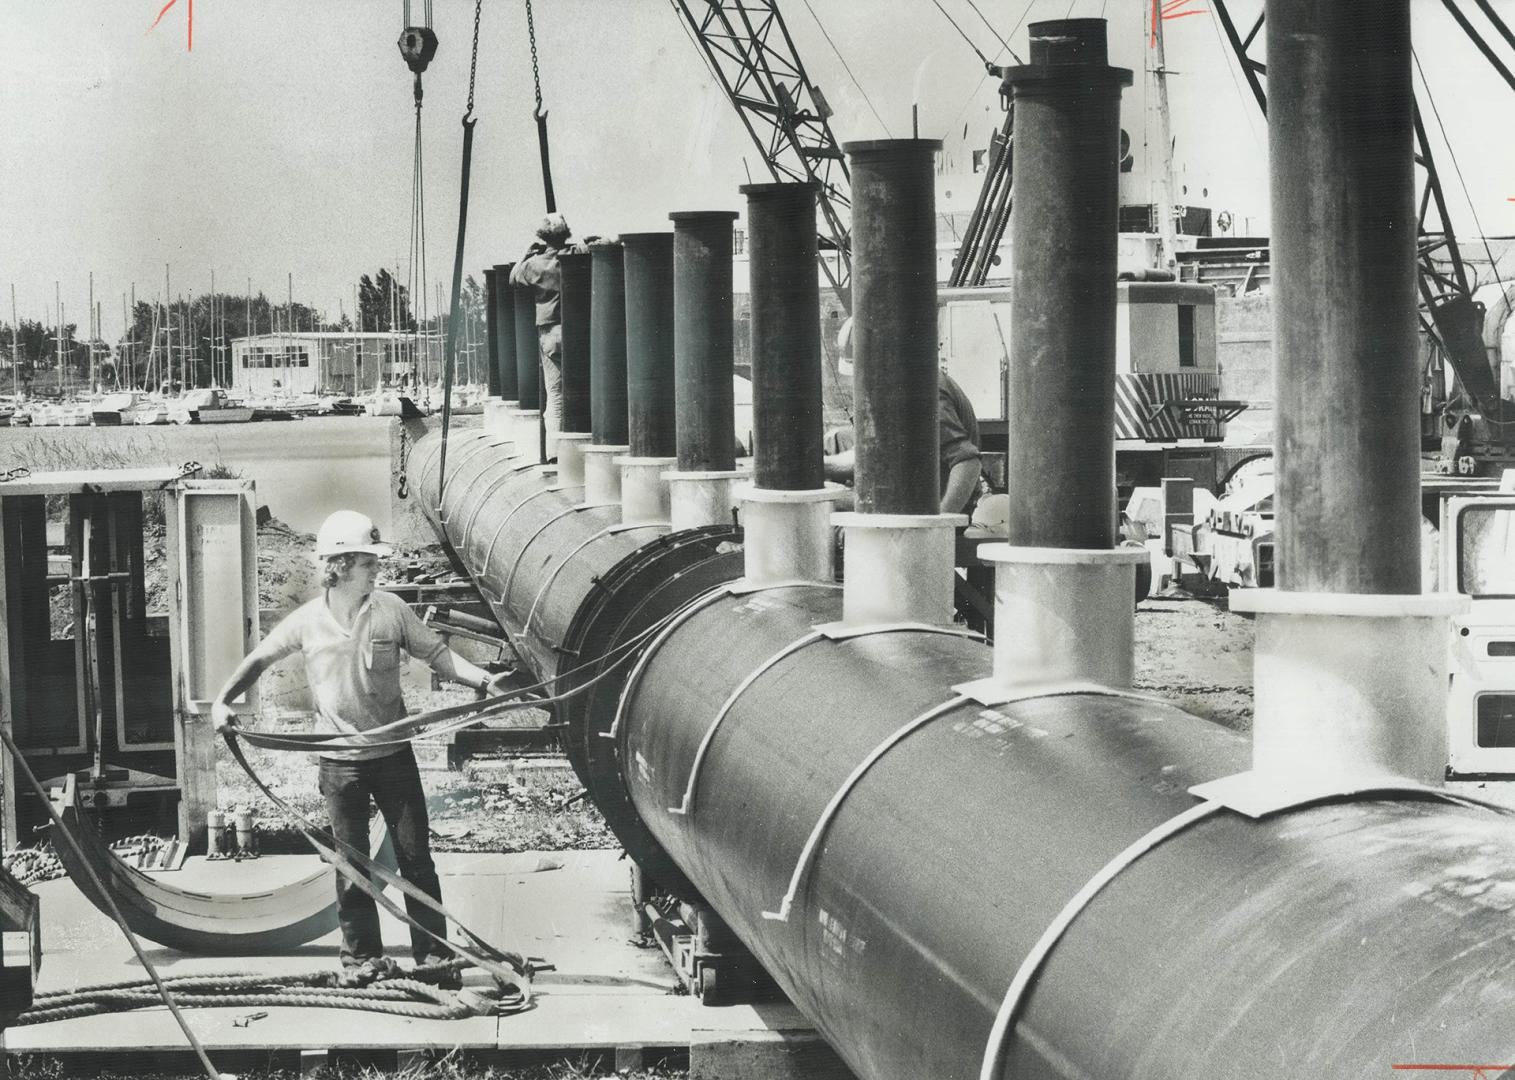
{"type": "Point", "coordinates": [539, 270]}
{"type": "Point", "coordinates": [351, 637]}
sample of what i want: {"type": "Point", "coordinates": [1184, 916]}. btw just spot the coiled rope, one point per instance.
{"type": "Point", "coordinates": [409, 996]}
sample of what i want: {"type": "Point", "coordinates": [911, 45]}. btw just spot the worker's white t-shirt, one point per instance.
{"type": "Point", "coordinates": [354, 674]}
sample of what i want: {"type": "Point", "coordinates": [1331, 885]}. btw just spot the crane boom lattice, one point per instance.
{"type": "Point", "coordinates": [1448, 313]}
{"type": "Point", "coordinates": [750, 53]}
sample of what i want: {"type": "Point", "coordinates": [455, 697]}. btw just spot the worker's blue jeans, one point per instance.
{"type": "Point", "coordinates": [394, 784]}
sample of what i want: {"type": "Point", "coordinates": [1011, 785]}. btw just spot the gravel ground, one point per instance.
{"type": "Point", "coordinates": [1198, 654]}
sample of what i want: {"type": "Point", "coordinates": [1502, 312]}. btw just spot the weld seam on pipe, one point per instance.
{"type": "Point", "coordinates": [510, 579]}
{"type": "Point", "coordinates": [834, 805]}
{"type": "Point", "coordinates": [489, 489]}
{"type": "Point", "coordinates": [489, 551]}
{"type": "Point", "coordinates": [608, 530]}
{"type": "Point", "coordinates": [693, 608]}
{"type": "Point", "coordinates": [995, 1049]}
{"type": "Point", "coordinates": [753, 676]}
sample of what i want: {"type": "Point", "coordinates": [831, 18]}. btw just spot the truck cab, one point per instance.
{"type": "Point", "coordinates": [1477, 559]}
{"type": "Point", "coordinates": [1169, 415]}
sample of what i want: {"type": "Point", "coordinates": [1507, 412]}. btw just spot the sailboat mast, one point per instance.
{"type": "Point", "coordinates": [1163, 184]}
{"type": "Point", "coordinates": [15, 347]}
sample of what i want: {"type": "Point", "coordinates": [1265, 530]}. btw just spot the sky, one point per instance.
{"type": "Point", "coordinates": [281, 143]}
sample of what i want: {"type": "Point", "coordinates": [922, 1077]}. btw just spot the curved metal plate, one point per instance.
{"type": "Point", "coordinates": [213, 924]}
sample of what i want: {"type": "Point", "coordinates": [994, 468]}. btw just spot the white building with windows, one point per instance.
{"type": "Point", "coordinates": [330, 362]}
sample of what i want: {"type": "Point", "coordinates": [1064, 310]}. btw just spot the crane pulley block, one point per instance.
{"type": "Point", "coordinates": [418, 44]}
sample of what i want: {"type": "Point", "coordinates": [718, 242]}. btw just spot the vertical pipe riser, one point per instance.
{"type": "Point", "coordinates": [1344, 308]}
{"type": "Point", "coordinates": [1350, 664]}
{"type": "Point", "coordinates": [894, 325]}
{"type": "Point", "coordinates": [491, 331]}
{"type": "Point", "coordinates": [703, 340]}
{"type": "Point", "coordinates": [504, 314]}
{"type": "Point", "coordinates": [607, 346]}
{"type": "Point", "coordinates": [1061, 458]}
{"type": "Point", "coordinates": [575, 307]}
{"type": "Point", "coordinates": [528, 352]}
{"type": "Point", "coordinates": [786, 337]}
{"type": "Point", "coordinates": [650, 416]}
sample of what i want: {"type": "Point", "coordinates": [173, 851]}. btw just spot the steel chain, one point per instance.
{"type": "Point", "coordinates": [536, 75]}
{"type": "Point", "coordinates": [473, 64]}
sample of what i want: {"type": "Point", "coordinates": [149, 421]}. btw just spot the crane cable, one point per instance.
{"type": "Point", "coordinates": [541, 114]}
{"type": "Point", "coordinates": [416, 256]}
{"type": "Point", "coordinates": [457, 262]}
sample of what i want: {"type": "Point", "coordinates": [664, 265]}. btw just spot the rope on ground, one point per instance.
{"type": "Point", "coordinates": [510, 969]}
{"type": "Point", "coordinates": [394, 997]}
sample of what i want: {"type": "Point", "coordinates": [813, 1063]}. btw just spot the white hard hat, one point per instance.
{"type": "Point", "coordinates": [348, 530]}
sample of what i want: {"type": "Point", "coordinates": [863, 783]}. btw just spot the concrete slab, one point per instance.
{"type": "Point", "coordinates": [569, 908]}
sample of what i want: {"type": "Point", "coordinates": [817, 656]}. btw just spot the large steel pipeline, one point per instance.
{"type": "Point", "coordinates": [1332, 940]}
{"type": "Point", "coordinates": [575, 303]}
{"type": "Point", "coordinates": [532, 549]}
{"type": "Point", "coordinates": [1025, 887]}
{"type": "Point", "coordinates": [649, 344]}
{"type": "Point", "coordinates": [504, 315]}
{"type": "Point", "coordinates": [1063, 229]}
{"type": "Point", "coordinates": [571, 586]}
{"type": "Point", "coordinates": [1347, 370]}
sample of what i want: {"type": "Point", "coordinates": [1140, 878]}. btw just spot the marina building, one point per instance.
{"type": "Point", "coordinates": [329, 361]}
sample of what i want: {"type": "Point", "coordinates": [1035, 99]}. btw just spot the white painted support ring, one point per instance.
{"type": "Point", "coordinates": [1063, 614]}
{"type": "Point", "coordinates": [497, 416]}
{"type": "Point", "coordinates": [571, 458]}
{"type": "Point", "coordinates": [787, 534]}
{"type": "Point", "coordinates": [703, 498]}
{"type": "Point", "coordinates": [898, 567]}
{"type": "Point", "coordinates": [644, 492]}
{"type": "Point", "coordinates": [525, 430]}
{"type": "Point", "coordinates": [602, 476]}
{"type": "Point", "coordinates": [1350, 684]}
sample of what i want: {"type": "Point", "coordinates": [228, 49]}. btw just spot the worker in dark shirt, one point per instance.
{"type": "Point", "coordinates": [957, 429]}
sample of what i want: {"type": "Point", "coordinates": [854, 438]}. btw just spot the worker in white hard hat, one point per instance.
{"type": "Point", "coordinates": [352, 637]}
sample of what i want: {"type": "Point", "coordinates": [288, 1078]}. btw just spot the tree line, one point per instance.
{"type": "Point", "coordinates": [188, 342]}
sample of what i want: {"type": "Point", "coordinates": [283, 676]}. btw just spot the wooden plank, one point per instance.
{"type": "Point", "coordinates": [84, 701]}
{"type": "Point", "coordinates": [77, 481]}
{"type": "Point", "coordinates": [763, 1055]}
{"type": "Point", "coordinates": [194, 739]}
